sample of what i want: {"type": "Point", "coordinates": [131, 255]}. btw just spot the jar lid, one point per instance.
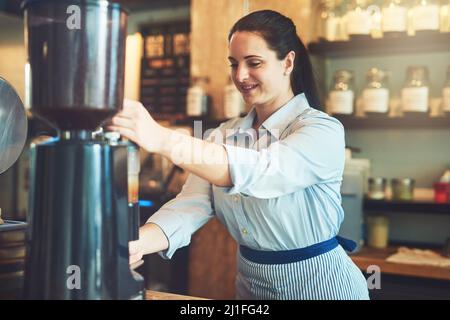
{"type": "Point", "coordinates": [417, 72]}
{"type": "Point", "coordinates": [377, 180]}
{"type": "Point", "coordinates": [403, 181]}
{"type": "Point", "coordinates": [375, 74]}
{"type": "Point", "coordinates": [343, 74]}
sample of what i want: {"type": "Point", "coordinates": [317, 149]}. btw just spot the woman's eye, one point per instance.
{"type": "Point", "coordinates": [254, 64]}
{"type": "Point", "coordinates": [233, 66]}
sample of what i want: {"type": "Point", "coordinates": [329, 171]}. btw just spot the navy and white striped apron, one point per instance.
{"type": "Point", "coordinates": [322, 271]}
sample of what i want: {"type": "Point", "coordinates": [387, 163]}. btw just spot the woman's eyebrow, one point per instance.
{"type": "Point", "coordinates": [252, 56]}
{"type": "Point", "coordinates": [246, 57]}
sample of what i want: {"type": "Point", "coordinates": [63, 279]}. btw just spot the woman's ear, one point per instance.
{"type": "Point", "coordinates": [289, 63]}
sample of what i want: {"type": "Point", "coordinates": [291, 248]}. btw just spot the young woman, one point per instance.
{"type": "Point", "coordinates": [272, 177]}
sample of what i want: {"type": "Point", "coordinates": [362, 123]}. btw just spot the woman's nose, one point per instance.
{"type": "Point", "coordinates": [241, 74]}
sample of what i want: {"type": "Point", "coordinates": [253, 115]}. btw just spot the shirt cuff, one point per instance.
{"type": "Point", "coordinates": [241, 164]}
{"type": "Point", "coordinates": [171, 225]}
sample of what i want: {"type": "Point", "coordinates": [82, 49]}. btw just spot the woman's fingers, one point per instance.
{"type": "Point", "coordinates": [125, 122]}
{"type": "Point", "coordinates": [135, 251]}
{"type": "Point", "coordinates": [135, 257]}
{"type": "Point", "coordinates": [126, 132]}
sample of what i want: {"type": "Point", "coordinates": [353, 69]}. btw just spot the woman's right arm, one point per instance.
{"type": "Point", "coordinates": [171, 227]}
{"type": "Point", "coordinates": [151, 239]}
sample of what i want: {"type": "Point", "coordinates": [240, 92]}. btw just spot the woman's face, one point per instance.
{"type": "Point", "coordinates": [256, 71]}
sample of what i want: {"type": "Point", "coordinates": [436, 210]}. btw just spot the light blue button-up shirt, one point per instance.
{"type": "Point", "coordinates": [286, 183]}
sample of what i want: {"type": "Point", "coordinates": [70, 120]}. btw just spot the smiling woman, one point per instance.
{"type": "Point", "coordinates": [276, 191]}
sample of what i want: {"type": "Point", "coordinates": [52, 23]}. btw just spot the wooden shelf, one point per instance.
{"type": "Point", "coordinates": [433, 42]}
{"type": "Point", "coordinates": [394, 123]}
{"type": "Point", "coordinates": [155, 295]}
{"type": "Point", "coordinates": [369, 257]}
{"type": "Point", "coordinates": [405, 206]}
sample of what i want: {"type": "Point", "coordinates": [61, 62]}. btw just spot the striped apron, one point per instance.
{"type": "Point", "coordinates": [322, 271]}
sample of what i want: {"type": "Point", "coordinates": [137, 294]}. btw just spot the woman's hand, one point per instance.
{"type": "Point", "coordinates": [135, 250]}
{"type": "Point", "coordinates": [135, 123]}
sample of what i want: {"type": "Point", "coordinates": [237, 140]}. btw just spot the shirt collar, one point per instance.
{"type": "Point", "coordinates": [278, 121]}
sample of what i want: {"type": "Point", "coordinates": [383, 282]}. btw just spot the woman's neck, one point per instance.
{"type": "Point", "coordinates": [264, 111]}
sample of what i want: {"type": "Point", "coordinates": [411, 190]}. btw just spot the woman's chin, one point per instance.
{"type": "Point", "coordinates": [249, 99]}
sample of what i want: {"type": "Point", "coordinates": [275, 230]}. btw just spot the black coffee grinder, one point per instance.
{"type": "Point", "coordinates": [81, 215]}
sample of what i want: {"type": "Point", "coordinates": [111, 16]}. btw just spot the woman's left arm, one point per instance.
{"type": "Point", "coordinates": [205, 159]}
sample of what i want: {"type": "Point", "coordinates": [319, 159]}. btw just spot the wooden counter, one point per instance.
{"type": "Point", "coordinates": [154, 295]}
{"type": "Point", "coordinates": [370, 256]}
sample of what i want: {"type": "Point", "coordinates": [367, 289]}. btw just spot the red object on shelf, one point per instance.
{"type": "Point", "coordinates": [442, 192]}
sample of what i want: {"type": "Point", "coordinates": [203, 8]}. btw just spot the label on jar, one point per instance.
{"type": "Point", "coordinates": [376, 100]}
{"type": "Point", "coordinates": [341, 102]}
{"type": "Point", "coordinates": [415, 99]}
{"type": "Point", "coordinates": [359, 22]}
{"type": "Point", "coordinates": [446, 98]}
{"type": "Point", "coordinates": [196, 102]}
{"type": "Point", "coordinates": [426, 17]}
{"type": "Point", "coordinates": [233, 102]}
{"type": "Point", "coordinates": [394, 19]}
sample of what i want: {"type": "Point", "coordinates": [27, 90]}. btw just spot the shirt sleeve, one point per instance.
{"type": "Point", "coordinates": [189, 210]}
{"type": "Point", "coordinates": [185, 214]}
{"type": "Point", "coordinates": [313, 153]}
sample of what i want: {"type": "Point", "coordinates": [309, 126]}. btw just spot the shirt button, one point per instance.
{"type": "Point", "coordinates": [244, 231]}
{"type": "Point", "coordinates": [235, 198]}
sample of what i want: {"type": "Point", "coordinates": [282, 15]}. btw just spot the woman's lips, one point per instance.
{"type": "Point", "coordinates": [247, 88]}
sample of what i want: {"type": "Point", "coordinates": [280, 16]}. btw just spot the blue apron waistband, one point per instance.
{"type": "Point", "coordinates": [289, 256]}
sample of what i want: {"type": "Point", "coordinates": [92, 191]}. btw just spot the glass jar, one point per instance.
{"type": "Point", "coordinates": [197, 99]}
{"type": "Point", "coordinates": [415, 92]}
{"type": "Point", "coordinates": [233, 104]}
{"type": "Point", "coordinates": [341, 95]}
{"type": "Point", "coordinates": [394, 18]}
{"type": "Point", "coordinates": [403, 189]}
{"type": "Point", "coordinates": [375, 96]}
{"type": "Point", "coordinates": [374, 8]}
{"type": "Point", "coordinates": [377, 188]}
{"type": "Point", "coordinates": [426, 16]}
{"type": "Point", "coordinates": [342, 12]}
{"type": "Point", "coordinates": [441, 192]}
{"type": "Point", "coordinates": [377, 231]}
{"type": "Point", "coordinates": [445, 16]}
{"type": "Point", "coordinates": [359, 20]}
{"type": "Point", "coordinates": [328, 22]}
{"type": "Point", "coordinates": [446, 94]}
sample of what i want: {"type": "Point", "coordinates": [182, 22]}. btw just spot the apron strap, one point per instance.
{"type": "Point", "coordinates": [347, 244]}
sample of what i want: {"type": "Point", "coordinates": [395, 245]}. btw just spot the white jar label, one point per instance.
{"type": "Point", "coordinates": [233, 103]}
{"type": "Point", "coordinates": [446, 98]}
{"type": "Point", "coordinates": [394, 19]}
{"type": "Point", "coordinates": [415, 99]}
{"type": "Point", "coordinates": [426, 17]}
{"type": "Point", "coordinates": [195, 102]}
{"type": "Point", "coordinates": [341, 102]}
{"type": "Point", "coordinates": [359, 22]}
{"type": "Point", "coordinates": [376, 100]}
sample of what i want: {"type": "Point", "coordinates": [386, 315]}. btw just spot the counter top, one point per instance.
{"type": "Point", "coordinates": [155, 295]}
{"type": "Point", "coordinates": [370, 256]}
